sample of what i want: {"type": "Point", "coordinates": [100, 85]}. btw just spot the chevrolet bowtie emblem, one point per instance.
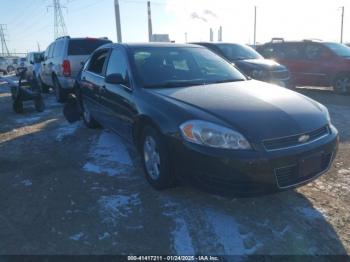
{"type": "Point", "coordinates": [304, 138]}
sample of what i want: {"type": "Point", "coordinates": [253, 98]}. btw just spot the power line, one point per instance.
{"type": "Point", "coordinates": [4, 48]}
{"type": "Point", "coordinates": [60, 28]}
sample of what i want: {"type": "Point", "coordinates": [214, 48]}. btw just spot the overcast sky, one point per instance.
{"type": "Point", "coordinates": [31, 21]}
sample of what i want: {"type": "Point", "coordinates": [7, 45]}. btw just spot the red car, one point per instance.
{"type": "Point", "coordinates": [313, 63]}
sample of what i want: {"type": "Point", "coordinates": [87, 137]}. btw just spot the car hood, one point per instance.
{"type": "Point", "coordinates": [258, 110]}
{"type": "Point", "coordinates": [260, 64]}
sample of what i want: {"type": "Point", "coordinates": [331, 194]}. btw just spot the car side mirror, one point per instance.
{"type": "Point", "coordinates": [116, 79]}
{"type": "Point", "coordinates": [72, 109]}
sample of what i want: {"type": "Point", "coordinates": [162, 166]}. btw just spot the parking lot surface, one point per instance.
{"type": "Point", "coordinates": [65, 189]}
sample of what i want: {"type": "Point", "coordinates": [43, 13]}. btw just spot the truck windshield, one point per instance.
{"type": "Point", "coordinates": [158, 67]}
{"type": "Point", "coordinates": [339, 49]}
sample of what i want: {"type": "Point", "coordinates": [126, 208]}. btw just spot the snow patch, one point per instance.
{"type": "Point", "coordinates": [108, 155]}
{"type": "Point", "coordinates": [66, 130]}
{"type": "Point", "coordinates": [77, 236]}
{"type": "Point", "coordinates": [310, 212]}
{"type": "Point", "coordinates": [27, 120]}
{"type": "Point", "coordinates": [27, 183]}
{"type": "Point", "coordinates": [104, 236]}
{"type": "Point", "coordinates": [227, 232]}
{"type": "Point", "coordinates": [112, 208]}
{"type": "Point", "coordinates": [181, 238]}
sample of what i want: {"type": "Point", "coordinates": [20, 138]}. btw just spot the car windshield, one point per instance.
{"type": "Point", "coordinates": [339, 49]}
{"type": "Point", "coordinates": [85, 46]}
{"type": "Point", "coordinates": [158, 67]}
{"type": "Point", "coordinates": [238, 52]}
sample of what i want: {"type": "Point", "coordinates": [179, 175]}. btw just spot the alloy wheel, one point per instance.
{"type": "Point", "coordinates": [151, 157]}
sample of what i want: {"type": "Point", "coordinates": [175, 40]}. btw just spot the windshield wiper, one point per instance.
{"type": "Point", "coordinates": [178, 83]}
{"type": "Point", "coordinates": [226, 81]}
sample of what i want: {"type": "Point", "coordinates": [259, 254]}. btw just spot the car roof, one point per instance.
{"type": "Point", "coordinates": [155, 44]}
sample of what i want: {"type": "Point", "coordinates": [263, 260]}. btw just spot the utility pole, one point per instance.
{"type": "Point", "coordinates": [4, 48]}
{"type": "Point", "coordinates": [211, 36]}
{"type": "Point", "coordinates": [117, 21]}
{"type": "Point", "coordinates": [60, 28]}
{"type": "Point", "coordinates": [186, 38]}
{"type": "Point", "coordinates": [38, 46]}
{"type": "Point", "coordinates": [342, 24]}
{"type": "Point", "coordinates": [255, 25]}
{"type": "Point", "coordinates": [150, 33]}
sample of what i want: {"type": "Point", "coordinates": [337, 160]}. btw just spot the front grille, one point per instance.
{"type": "Point", "coordinates": [291, 175]}
{"type": "Point", "coordinates": [282, 74]}
{"type": "Point", "coordinates": [290, 141]}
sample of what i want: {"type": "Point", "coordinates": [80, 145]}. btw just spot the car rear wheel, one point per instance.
{"type": "Point", "coordinates": [10, 69]}
{"type": "Point", "coordinates": [155, 159]}
{"type": "Point", "coordinates": [61, 95]}
{"type": "Point", "coordinates": [342, 85]}
{"type": "Point", "coordinates": [44, 88]}
{"type": "Point", "coordinates": [89, 121]}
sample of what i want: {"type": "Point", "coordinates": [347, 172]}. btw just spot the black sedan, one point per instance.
{"type": "Point", "coordinates": [192, 115]}
{"type": "Point", "coordinates": [251, 62]}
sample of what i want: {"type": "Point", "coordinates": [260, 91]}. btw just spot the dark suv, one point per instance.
{"type": "Point", "coordinates": [313, 63]}
{"type": "Point", "coordinates": [250, 62]}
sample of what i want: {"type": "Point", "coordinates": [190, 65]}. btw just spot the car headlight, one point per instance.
{"type": "Point", "coordinates": [259, 74]}
{"type": "Point", "coordinates": [213, 135]}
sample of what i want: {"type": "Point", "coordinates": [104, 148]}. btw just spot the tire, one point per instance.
{"type": "Point", "coordinates": [17, 106]}
{"type": "Point", "coordinates": [39, 105]}
{"type": "Point", "coordinates": [61, 95]}
{"type": "Point", "coordinates": [155, 159]}
{"type": "Point", "coordinates": [89, 121]}
{"type": "Point", "coordinates": [341, 85]}
{"type": "Point", "coordinates": [44, 88]}
{"type": "Point", "coordinates": [10, 69]}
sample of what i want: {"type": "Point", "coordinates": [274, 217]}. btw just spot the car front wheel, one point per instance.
{"type": "Point", "coordinates": [155, 159]}
{"type": "Point", "coordinates": [342, 85]}
{"type": "Point", "coordinates": [89, 121]}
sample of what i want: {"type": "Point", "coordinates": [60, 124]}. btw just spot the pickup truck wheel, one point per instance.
{"type": "Point", "coordinates": [44, 88]}
{"type": "Point", "coordinates": [61, 95]}
{"type": "Point", "coordinates": [342, 85]}
{"type": "Point", "coordinates": [155, 159]}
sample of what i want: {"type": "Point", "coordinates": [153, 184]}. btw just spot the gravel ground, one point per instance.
{"type": "Point", "coordinates": [65, 189]}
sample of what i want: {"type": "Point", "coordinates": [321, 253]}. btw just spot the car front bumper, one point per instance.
{"type": "Point", "coordinates": [252, 171]}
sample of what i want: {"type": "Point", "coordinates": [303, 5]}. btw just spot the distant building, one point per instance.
{"type": "Point", "coordinates": [160, 38]}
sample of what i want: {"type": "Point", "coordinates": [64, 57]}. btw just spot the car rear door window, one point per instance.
{"type": "Point", "coordinates": [117, 64]}
{"type": "Point", "coordinates": [85, 46]}
{"type": "Point", "coordinates": [58, 49]}
{"type": "Point", "coordinates": [51, 50]}
{"type": "Point", "coordinates": [313, 51]}
{"type": "Point", "coordinates": [97, 62]}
